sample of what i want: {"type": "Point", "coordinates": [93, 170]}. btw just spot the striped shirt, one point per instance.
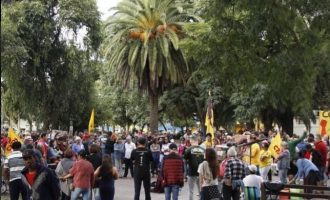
{"type": "Point", "coordinates": [15, 164]}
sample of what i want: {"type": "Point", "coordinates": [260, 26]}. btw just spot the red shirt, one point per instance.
{"type": "Point", "coordinates": [308, 155]}
{"type": "Point", "coordinates": [322, 148]}
{"type": "Point", "coordinates": [31, 177]}
{"type": "Point", "coordinates": [83, 174]}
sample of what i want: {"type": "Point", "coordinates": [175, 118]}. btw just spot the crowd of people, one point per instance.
{"type": "Point", "coordinates": [62, 166]}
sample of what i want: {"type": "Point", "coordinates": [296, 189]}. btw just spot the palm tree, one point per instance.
{"type": "Point", "coordinates": [143, 46]}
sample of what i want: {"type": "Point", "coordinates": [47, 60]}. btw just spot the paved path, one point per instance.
{"type": "Point", "coordinates": [125, 191]}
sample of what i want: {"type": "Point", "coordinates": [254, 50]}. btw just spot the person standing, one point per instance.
{"type": "Point", "coordinates": [172, 173]}
{"type": "Point", "coordinates": [107, 174]}
{"type": "Point", "coordinates": [78, 145]}
{"type": "Point", "coordinates": [119, 154]}
{"type": "Point", "coordinates": [283, 162]}
{"type": "Point", "coordinates": [13, 166]}
{"type": "Point", "coordinates": [208, 176]}
{"type": "Point", "coordinates": [82, 172]}
{"type": "Point", "coordinates": [233, 176]}
{"type": "Point", "coordinates": [44, 146]}
{"type": "Point", "coordinates": [95, 157]}
{"type": "Point", "coordinates": [155, 150]}
{"type": "Point", "coordinates": [109, 145]}
{"type": "Point", "coordinates": [194, 155]}
{"type": "Point", "coordinates": [265, 160]}
{"type": "Point", "coordinates": [129, 147]}
{"type": "Point", "coordinates": [42, 181]}
{"type": "Point", "coordinates": [63, 169]}
{"type": "Point", "coordinates": [208, 141]}
{"type": "Point", "coordinates": [322, 148]}
{"type": "Point", "coordinates": [142, 158]}
{"type": "Point", "coordinates": [254, 153]}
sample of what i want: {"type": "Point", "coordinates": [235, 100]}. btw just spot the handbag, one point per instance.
{"type": "Point", "coordinates": [210, 192]}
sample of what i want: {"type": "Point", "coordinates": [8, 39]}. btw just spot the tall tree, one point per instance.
{"type": "Point", "coordinates": [143, 46]}
{"type": "Point", "coordinates": [265, 56]}
{"type": "Point", "coordinates": [47, 71]}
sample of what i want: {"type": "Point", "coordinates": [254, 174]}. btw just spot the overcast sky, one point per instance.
{"type": "Point", "coordinates": [104, 6]}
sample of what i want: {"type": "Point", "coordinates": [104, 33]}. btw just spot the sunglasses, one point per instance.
{"type": "Point", "coordinates": [27, 157]}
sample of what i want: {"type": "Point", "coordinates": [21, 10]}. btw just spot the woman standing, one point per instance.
{"type": "Point", "coordinates": [119, 154]}
{"type": "Point", "coordinates": [155, 151]}
{"type": "Point", "coordinates": [107, 174]}
{"type": "Point", "coordinates": [265, 160]}
{"type": "Point", "coordinates": [63, 169]}
{"type": "Point", "coordinates": [208, 175]}
{"type": "Point", "coordinates": [283, 162]}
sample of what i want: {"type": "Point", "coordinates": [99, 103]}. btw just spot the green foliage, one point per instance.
{"type": "Point", "coordinates": [267, 56]}
{"type": "Point", "coordinates": [48, 77]}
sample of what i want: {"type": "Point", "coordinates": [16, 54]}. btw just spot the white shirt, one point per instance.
{"type": "Point", "coordinates": [165, 148]}
{"type": "Point", "coordinates": [128, 149]}
{"type": "Point", "coordinates": [206, 183]}
{"type": "Point", "coordinates": [253, 180]}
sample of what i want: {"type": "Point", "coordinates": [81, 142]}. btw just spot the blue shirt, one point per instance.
{"type": "Point", "coordinates": [304, 167]}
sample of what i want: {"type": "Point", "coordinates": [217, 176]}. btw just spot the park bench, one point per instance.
{"type": "Point", "coordinates": [267, 193]}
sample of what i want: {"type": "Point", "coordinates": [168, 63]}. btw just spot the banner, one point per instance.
{"type": "Point", "coordinates": [275, 145]}
{"type": "Point", "coordinates": [12, 137]}
{"type": "Point", "coordinates": [91, 123]}
{"type": "Point", "coordinates": [324, 123]}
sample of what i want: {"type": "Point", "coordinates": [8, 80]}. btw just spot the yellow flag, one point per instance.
{"type": "Point", "coordinates": [275, 145]}
{"type": "Point", "coordinates": [13, 137]}
{"type": "Point", "coordinates": [91, 123]}
{"type": "Point", "coordinates": [324, 123]}
{"type": "Point", "coordinates": [209, 119]}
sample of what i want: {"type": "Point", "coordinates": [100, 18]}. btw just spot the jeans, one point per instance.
{"type": "Point", "coordinates": [86, 193]}
{"type": "Point", "coordinates": [192, 182]}
{"type": "Point", "coordinates": [96, 194]}
{"type": "Point", "coordinates": [155, 162]}
{"type": "Point", "coordinates": [16, 187]}
{"type": "Point", "coordinates": [174, 189]}
{"type": "Point", "coordinates": [119, 166]}
{"type": "Point", "coordinates": [283, 173]}
{"type": "Point", "coordinates": [228, 192]}
{"type": "Point", "coordinates": [264, 172]}
{"type": "Point", "coordinates": [137, 187]}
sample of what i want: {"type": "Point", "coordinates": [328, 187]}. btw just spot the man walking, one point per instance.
{"type": "Point", "coordinates": [129, 147]}
{"type": "Point", "coordinates": [83, 177]}
{"type": "Point", "coordinates": [172, 173]}
{"type": "Point", "coordinates": [41, 180]}
{"type": "Point", "coordinates": [194, 155]}
{"type": "Point", "coordinates": [14, 164]}
{"type": "Point", "coordinates": [234, 174]}
{"type": "Point", "coordinates": [141, 157]}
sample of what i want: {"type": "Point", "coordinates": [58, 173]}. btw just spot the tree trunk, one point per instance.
{"type": "Point", "coordinates": [267, 118]}
{"type": "Point", "coordinates": [286, 121]}
{"type": "Point", "coordinates": [153, 98]}
{"type": "Point", "coordinates": [165, 129]}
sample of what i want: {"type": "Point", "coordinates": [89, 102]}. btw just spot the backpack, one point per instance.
{"type": "Point", "coordinates": [222, 168]}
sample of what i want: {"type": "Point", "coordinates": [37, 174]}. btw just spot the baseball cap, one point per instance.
{"type": "Point", "coordinates": [252, 168]}
{"type": "Point", "coordinates": [173, 146]}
